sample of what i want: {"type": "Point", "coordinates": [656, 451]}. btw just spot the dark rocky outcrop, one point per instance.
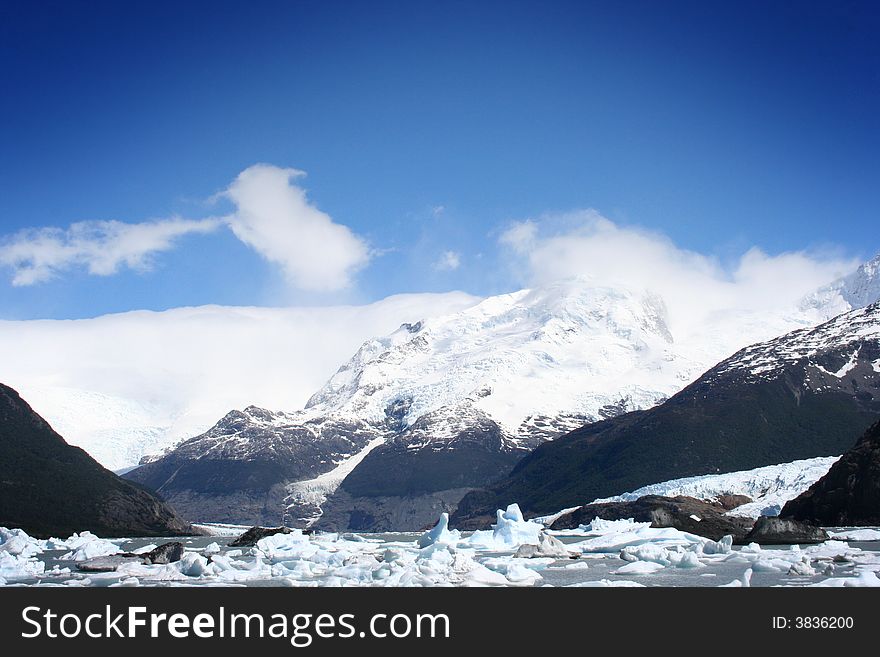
{"type": "Point", "coordinates": [683, 513]}
{"type": "Point", "coordinates": [254, 534]}
{"type": "Point", "coordinates": [163, 554]}
{"type": "Point", "coordinates": [769, 530]}
{"type": "Point", "coordinates": [50, 488]}
{"type": "Point", "coordinates": [849, 494]}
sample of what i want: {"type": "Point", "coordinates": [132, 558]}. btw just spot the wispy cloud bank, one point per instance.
{"type": "Point", "coordinates": [448, 261]}
{"type": "Point", "coordinates": [275, 218]}
{"type": "Point", "coordinates": [153, 377]}
{"type": "Point", "coordinates": [692, 284]}
{"type": "Point", "coordinates": [272, 215]}
{"type": "Point", "coordinates": [101, 247]}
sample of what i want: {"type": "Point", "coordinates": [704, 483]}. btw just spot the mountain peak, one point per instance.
{"type": "Point", "coordinates": [859, 289]}
{"type": "Point", "coordinates": [536, 349]}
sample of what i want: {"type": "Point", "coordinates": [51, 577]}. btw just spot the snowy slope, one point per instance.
{"type": "Point", "coordinates": [543, 361]}
{"type": "Point", "coordinates": [857, 290]}
{"type": "Point", "coordinates": [769, 487]}
{"type": "Point", "coordinates": [845, 334]}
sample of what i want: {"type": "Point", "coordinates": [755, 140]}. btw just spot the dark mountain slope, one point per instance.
{"type": "Point", "coordinates": [850, 493]}
{"type": "Point", "coordinates": [238, 471]}
{"type": "Point", "coordinates": [404, 484]}
{"type": "Point", "coordinates": [48, 487]}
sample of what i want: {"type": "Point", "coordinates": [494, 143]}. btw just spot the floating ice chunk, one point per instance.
{"type": "Point", "coordinates": [511, 531]}
{"type": "Point", "coordinates": [520, 574]}
{"type": "Point", "coordinates": [605, 583]}
{"type": "Point", "coordinates": [440, 533]}
{"type": "Point", "coordinates": [599, 526]}
{"type": "Point", "coordinates": [849, 535]}
{"type": "Point", "coordinates": [285, 546]}
{"type": "Point", "coordinates": [17, 542]}
{"type": "Point", "coordinates": [127, 581]}
{"type": "Point", "coordinates": [86, 546]}
{"type": "Point", "coordinates": [744, 581]}
{"type": "Point", "coordinates": [547, 546]}
{"type": "Point", "coordinates": [723, 546]}
{"type": "Point", "coordinates": [212, 548]}
{"type": "Point", "coordinates": [802, 567]}
{"type": "Point", "coordinates": [770, 566]}
{"type": "Point", "coordinates": [646, 552]}
{"type": "Point", "coordinates": [84, 581]}
{"type": "Point", "coordinates": [865, 578]}
{"type": "Point", "coordinates": [614, 541]}
{"type": "Point", "coordinates": [639, 568]}
{"type": "Point", "coordinates": [508, 533]}
{"type": "Point", "coordinates": [194, 565]}
{"type": "Point", "coordinates": [513, 513]}
{"type": "Point", "coordinates": [685, 559]}
{"type": "Point", "coordinates": [145, 549]}
{"type": "Point", "coordinates": [15, 566]}
{"type": "Point", "coordinates": [91, 550]}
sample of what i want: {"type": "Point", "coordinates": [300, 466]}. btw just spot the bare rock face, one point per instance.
{"type": "Point", "coordinates": [770, 530]}
{"type": "Point", "coordinates": [683, 513]}
{"type": "Point", "coordinates": [850, 493]}
{"type": "Point", "coordinates": [165, 553]}
{"type": "Point", "coordinates": [254, 534]}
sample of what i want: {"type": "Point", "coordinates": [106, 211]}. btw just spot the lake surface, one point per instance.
{"type": "Point", "coordinates": [621, 556]}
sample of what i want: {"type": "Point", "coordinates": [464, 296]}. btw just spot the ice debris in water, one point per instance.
{"type": "Point", "coordinates": [440, 533]}
{"type": "Point", "coordinates": [515, 552]}
{"type": "Point", "coordinates": [509, 531]}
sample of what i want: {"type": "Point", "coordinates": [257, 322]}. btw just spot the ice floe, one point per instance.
{"type": "Point", "coordinates": [514, 552]}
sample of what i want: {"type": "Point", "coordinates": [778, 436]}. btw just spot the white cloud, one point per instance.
{"type": "Point", "coordinates": [125, 384]}
{"type": "Point", "coordinates": [272, 216]}
{"type": "Point", "coordinates": [520, 236]}
{"type": "Point", "coordinates": [102, 247]}
{"type": "Point", "coordinates": [275, 218]}
{"type": "Point", "coordinates": [448, 261]}
{"type": "Point", "coordinates": [692, 284]}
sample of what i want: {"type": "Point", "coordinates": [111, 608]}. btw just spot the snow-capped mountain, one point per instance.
{"type": "Point", "coordinates": [844, 348]}
{"type": "Point", "coordinates": [526, 359]}
{"type": "Point", "coordinates": [808, 393]}
{"type": "Point", "coordinates": [493, 380]}
{"type": "Point", "coordinates": [857, 290]}
{"type": "Point", "coordinates": [125, 385]}
{"type": "Point", "coordinates": [238, 470]}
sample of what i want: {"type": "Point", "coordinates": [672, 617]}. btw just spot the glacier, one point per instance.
{"type": "Point", "coordinates": [769, 487]}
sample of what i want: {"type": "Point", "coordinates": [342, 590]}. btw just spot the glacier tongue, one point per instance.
{"type": "Point", "coordinates": [769, 487]}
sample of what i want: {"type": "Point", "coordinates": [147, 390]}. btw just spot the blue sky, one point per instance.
{"type": "Point", "coordinates": [427, 132]}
